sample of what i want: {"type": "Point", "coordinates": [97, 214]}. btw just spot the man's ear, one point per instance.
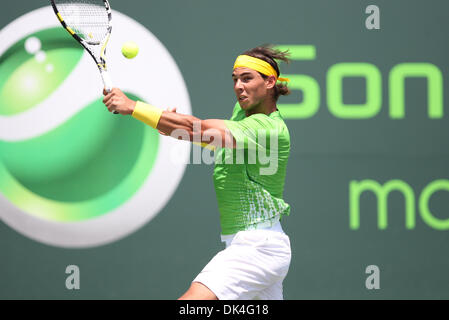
{"type": "Point", "coordinates": [271, 82]}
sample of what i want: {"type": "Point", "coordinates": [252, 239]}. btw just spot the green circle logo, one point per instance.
{"type": "Point", "coordinates": [71, 174]}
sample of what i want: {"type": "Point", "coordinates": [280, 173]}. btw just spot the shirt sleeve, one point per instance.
{"type": "Point", "coordinates": [252, 132]}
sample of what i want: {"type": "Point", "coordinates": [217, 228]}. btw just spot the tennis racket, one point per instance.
{"type": "Point", "coordinates": [90, 23]}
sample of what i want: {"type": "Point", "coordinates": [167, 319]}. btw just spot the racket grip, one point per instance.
{"type": "Point", "coordinates": [107, 83]}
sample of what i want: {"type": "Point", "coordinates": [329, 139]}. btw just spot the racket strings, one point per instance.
{"type": "Point", "coordinates": [87, 18]}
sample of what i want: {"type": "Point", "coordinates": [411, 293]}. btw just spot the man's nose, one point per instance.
{"type": "Point", "coordinates": [238, 85]}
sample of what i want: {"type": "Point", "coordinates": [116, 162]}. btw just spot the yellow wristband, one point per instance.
{"type": "Point", "coordinates": [147, 114]}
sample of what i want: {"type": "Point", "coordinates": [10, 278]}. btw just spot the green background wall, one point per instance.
{"type": "Point", "coordinates": [328, 152]}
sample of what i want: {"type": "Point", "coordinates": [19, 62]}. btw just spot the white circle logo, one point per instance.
{"type": "Point", "coordinates": [72, 174]}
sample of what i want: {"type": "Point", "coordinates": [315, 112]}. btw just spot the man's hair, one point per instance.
{"type": "Point", "coordinates": [268, 54]}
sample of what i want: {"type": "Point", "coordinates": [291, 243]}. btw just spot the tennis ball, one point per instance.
{"type": "Point", "coordinates": [130, 49]}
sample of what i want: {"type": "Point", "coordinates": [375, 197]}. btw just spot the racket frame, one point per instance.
{"type": "Point", "coordinates": [101, 60]}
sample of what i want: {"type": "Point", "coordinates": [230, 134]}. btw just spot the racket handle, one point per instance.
{"type": "Point", "coordinates": [107, 83]}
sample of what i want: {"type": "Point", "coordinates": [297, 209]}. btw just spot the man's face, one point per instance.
{"type": "Point", "coordinates": [250, 88]}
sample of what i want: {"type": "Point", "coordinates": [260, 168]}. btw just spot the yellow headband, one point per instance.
{"type": "Point", "coordinates": [259, 65]}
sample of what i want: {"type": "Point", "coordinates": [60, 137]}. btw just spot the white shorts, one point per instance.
{"type": "Point", "coordinates": [253, 266]}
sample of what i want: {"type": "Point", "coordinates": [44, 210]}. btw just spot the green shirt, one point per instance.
{"type": "Point", "coordinates": [249, 180]}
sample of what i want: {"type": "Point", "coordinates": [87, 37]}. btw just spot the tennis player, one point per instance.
{"type": "Point", "coordinates": [257, 255]}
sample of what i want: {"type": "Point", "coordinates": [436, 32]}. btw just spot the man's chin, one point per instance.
{"type": "Point", "coordinates": [244, 105]}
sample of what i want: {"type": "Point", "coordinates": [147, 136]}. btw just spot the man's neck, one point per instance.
{"type": "Point", "coordinates": [263, 108]}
